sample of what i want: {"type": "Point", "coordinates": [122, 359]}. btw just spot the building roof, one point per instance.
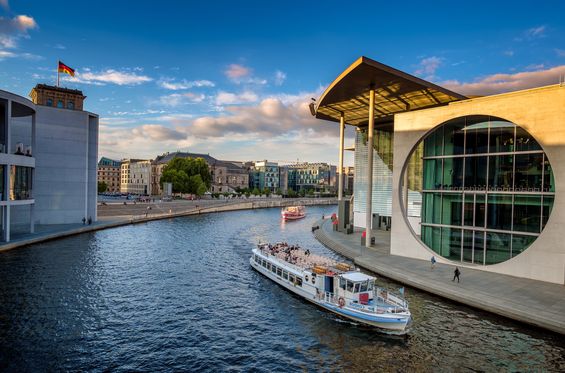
{"type": "Point", "coordinates": [395, 92]}
{"type": "Point", "coordinates": [109, 162]}
{"type": "Point", "coordinates": [357, 276]}
{"type": "Point", "coordinates": [59, 89]}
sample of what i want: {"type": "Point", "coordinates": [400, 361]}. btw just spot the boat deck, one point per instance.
{"type": "Point", "coordinates": [297, 256]}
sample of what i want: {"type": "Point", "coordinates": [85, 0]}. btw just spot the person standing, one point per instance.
{"type": "Point", "coordinates": [456, 274]}
{"type": "Point", "coordinates": [433, 260]}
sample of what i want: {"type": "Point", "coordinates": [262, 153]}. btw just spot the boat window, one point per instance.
{"type": "Point", "coordinates": [363, 286]}
{"type": "Point", "coordinates": [356, 288]}
{"type": "Point", "coordinates": [291, 277]}
{"type": "Point", "coordinates": [371, 285]}
{"type": "Point", "coordinates": [273, 268]}
{"type": "Point", "coordinates": [279, 272]}
{"type": "Point", "coordinates": [342, 283]}
{"type": "Point", "coordinates": [264, 263]}
{"type": "Point", "coordinates": [285, 275]}
{"type": "Point", "coordinates": [298, 281]}
{"type": "Point", "coordinates": [268, 265]}
{"type": "Point", "coordinates": [349, 286]}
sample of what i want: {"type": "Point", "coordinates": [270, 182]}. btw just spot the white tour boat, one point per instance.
{"type": "Point", "coordinates": [293, 212]}
{"type": "Point", "coordinates": [334, 286]}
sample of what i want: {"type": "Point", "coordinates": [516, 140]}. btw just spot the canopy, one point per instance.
{"type": "Point", "coordinates": [395, 92]}
{"type": "Point", "coordinates": [356, 276]}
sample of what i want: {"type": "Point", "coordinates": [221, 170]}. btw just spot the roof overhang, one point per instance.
{"type": "Point", "coordinates": [395, 92]}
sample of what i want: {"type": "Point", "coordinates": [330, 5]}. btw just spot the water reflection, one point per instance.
{"type": "Point", "coordinates": [180, 295]}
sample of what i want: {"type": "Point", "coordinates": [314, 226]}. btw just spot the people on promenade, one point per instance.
{"type": "Point", "coordinates": [89, 220]}
{"type": "Point", "coordinates": [83, 221]}
{"type": "Point", "coordinates": [433, 260]}
{"type": "Point", "coordinates": [456, 274]}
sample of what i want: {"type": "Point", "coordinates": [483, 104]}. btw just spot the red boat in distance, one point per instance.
{"type": "Point", "coordinates": [293, 212]}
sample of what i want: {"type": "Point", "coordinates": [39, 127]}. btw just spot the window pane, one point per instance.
{"type": "Point", "coordinates": [454, 137]}
{"type": "Point", "coordinates": [452, 209]}
{"type": "Point", "coordinates": [498, 248]}
{"type": "Point", "coordinates": [480, 210]}
{"type": "Point", "coordinates": [499, 211]}
{"type": "Point", "coordinates": [521, 243]}
{"type": "Point", "coordinates": [479, 249]}
{"type": "Point", "coordinates": [475, 173]}
{"type": "Point", "coordinates": [547, 206]}
{"type": "Point", "coordinates": [477, 135]}
{"type": "Point", "coordinates": [467, 246]}
{"type": "Point", "coordinates": [433, 143]}
{"type": "Point", "coordinates": [451, 243]}
{"type": "Point", "coordinates": [428, 208]}
{"type": "Point", "coordinates": [436, 218]}
{"type": "Point", "coordinates": [452, 173]}
{"type": "Point", "coordinates": [432, 174]}
{"type": "Point", "coordinates": [527, 210]}
{"type": "Point", "coordinates": [528, 172]}
{"type": "Point", "coordinates": [548, 180]}
{"type": "Point", "coordinates": [469, 208]}
{"type": "Point", "coordinates": [501, 137]}
{"type": "Point", "coordinates": [525, 141]}
{"type": "Point", "coordinates": [500, 172]}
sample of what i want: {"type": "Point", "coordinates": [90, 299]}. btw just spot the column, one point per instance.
{"type": "Point", "coordinates": [370, 130]}
{"type": "Point", "coordinates": [340, 166]}
{"type": "Point", "coordinates": [86, 170]}
{"type": "Point", "coordinates": [33, 150]}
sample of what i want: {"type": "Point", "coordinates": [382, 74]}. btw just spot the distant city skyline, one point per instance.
{"type": "Point", "coordinates": [235, 81]}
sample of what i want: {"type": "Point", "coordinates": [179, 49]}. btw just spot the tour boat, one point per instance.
{"type": "Point", "coordinates": [293, 212]}
{"type": "Point", "coordinates": [337, 287]}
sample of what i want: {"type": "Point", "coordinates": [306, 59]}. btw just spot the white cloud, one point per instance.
{"type": "Point", "coordinates": [157, 132]}
{"type": "Point", "coordinates": [184, 84]}
{"type": "Point", "coordinates": [227, 98]}
{"type": "Point", "coordinates": [509, 53]}
{"type": "Point", "coordinates": [59, 46]}
{"type": "Point", "coordinates": [235, 71]}
{"type": "Point", "coordinates": [28, 56]}
{"type": "Point", "coordinates": [177, 99]}
{"type": "Point", "coordinates": [536, 32]}
{"type": "Point", "coordinates": [109, 76]}
{"type": "Point", "coordinates": [11, 29]}
{"type": "Point", "coordinates": [560, 52]}
{"type": "Point", "coordinates": [499, 83]}
{"type": "Point", "coordinates": [280, 77]}
{"type": "Point", "coordinates": [428, 66]}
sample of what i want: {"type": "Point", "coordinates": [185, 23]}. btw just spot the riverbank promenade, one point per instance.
{"type": "Point", "coordinates": [116, 214]}
{"type": "Point", "coordinates": [533, 302]}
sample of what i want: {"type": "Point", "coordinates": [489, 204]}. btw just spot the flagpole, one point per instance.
{"type": "Point", "coordinates": [58, 73]}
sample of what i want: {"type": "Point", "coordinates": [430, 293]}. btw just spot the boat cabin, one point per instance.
{"type": "Point", "coordinates": [356, 286]}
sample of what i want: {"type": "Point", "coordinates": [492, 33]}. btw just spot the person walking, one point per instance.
{"type": "Point", "coordinates": [456, 274]}
{"type": "Point", "coordinates": [433, 260]}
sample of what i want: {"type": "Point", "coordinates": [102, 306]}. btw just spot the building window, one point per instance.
{"type": "Point", "coordinates": [60, 104]}
{"type": "Point", "coordinates": [71, 105]}
{"type": "Point", "coordinates": [487, 190]}
{"type": "Point", "coordinates": [49, 102]}
{"type": "Point", "coordinates": [20, 183]}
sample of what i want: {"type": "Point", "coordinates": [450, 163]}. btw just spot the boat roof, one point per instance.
{"type": "Point", "coordinates": [356, 276]}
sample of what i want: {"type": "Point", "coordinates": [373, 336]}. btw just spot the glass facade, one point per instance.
{"type": "Point", "coordinates": [20, 182]}
{"type": "Point", "coordinates": [487, 190]}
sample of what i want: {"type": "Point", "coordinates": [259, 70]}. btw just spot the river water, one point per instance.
{"type": "Point", "coordinates": [179, 295]}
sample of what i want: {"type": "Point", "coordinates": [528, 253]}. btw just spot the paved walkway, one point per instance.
{"type": "Point", "coordinates": [533, 302]}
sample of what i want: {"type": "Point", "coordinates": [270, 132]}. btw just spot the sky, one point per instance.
{"type": "Point", "coordinates": [234, 79]}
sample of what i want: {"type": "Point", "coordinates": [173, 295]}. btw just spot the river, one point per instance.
{"type": "Point", "coordinates": [180, 295]}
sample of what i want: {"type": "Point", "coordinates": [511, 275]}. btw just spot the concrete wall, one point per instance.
{"type": "Point", "coordinates": [539, 111]}
{"type": "Point", "coordinates": [65, 177]}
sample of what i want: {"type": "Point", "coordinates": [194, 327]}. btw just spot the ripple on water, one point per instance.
{"type": "Point", "coordinates": [180, 295]}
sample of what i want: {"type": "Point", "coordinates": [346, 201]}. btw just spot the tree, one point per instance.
{"type": "Point", "coordinates": [255, 191]}
{"type": "Point", "coordinates": [102, 187]}
{"type": "Point", "coordinates": [266, 191]}
{"type": "Point", "coordinates": [279, 191]}
{"type": "Point", "coordinates": [187, 175]}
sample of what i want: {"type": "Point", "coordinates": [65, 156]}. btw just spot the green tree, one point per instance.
{"type": "Point", "coordinates": [187, 175]}
{"type": "Point", "coordinates": [255, 191]}
{"type": "Point", "coordinates": [292, 193]}
{"type": "Point", "coordinates": [266, 191]}
{"type": "Point", "coordinates": [102, 187]}
{"type": "Point", "coordinates": [279, 191]}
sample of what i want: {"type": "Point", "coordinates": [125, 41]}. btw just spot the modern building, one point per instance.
{"type": "Point", "coordinates": [226, 176]}
{"type": "Point", "coordinates": [317, 177]}
{"type": "Point", "coordinates": [477, 182]}
{"type": "Point", "coordinates": [109, 172]}
{"type": "Point", "coordinates": [348, 176]}
{"type": "Point", "coordinates": [47, 160]}
{"type": "Point", "coordinates": [135, 177]}
{"type": "Point", "coordinates": [264, 175]}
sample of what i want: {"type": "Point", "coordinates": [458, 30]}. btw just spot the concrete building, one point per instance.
{"type": "Point", "coordinates": [264, 174]}
{"type": "Point", "coordinates": [477, 182]}
{"type": "Point", "coordinates": [135, 177]}
{"type": "Point", "coordinates": [317, 177]}
{"type": "Point", "coordinates": [47, 161]}
{"type": "Point", "coordinates": [226, 176]}
{"type": "Point", "coordinates": [109, 172]}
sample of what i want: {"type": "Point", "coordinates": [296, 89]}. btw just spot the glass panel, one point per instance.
{"type": "Point", "coordinates": [521, 243]}
{"type": "Point", "coordinates": [452, 209]}
{"type": "Point", "coordinates": [501, 137]}
{"type": "Point", "coordinates": [432, 174]}
{"type": "Point", "coordinates": [527, 210]}
{"type": "Point", "coordinates": [480, 210]}
{"type": "Point", "coordinates": [468, 246]}
{"type": "Point", "coordinates": [427, 236]}
{"type": "Point", "coordinates": [436, 218]}
{"type": "Point", "coordinates": [433, 143]}
{"type": "Point", "coordinates": [499, 211]}
{"type": "Point", "coordinates": [547, 206]}
{"type": "Point", "coordinates": [454, 137]}
{"type": "Point", "coordinates": [454, 244]}
{"type": "Point", "coordinates": [548, 180]}
{"type": "Point", "coordinates": [436, 239]}
{"type": "Point", "coordinates": [500, 172]}
{"type": "Point", "coordinates": [525, 141]}
{"type": "Point", "coordinates": [528, 172]}
{"type": "Point", "coordinates": [20, 183]}
{"type": "Point", "coordinates": [1, 183]}
{"type": "Point", "coordinates": [468, 209]}
{"type": "Point", "coordinates": [498, 248]}
{"type": "Point", "coordinates": [452, 173]}
{"type": "Point", "coordinates": [428, 208]}
{"type": "Point", "coordinates": [475, 173]}
{"type": "Point", "coordinates": [479, 248]}
{"type": "Point", "coordinates": [477, 135]}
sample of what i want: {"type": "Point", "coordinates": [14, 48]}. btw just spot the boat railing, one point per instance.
{"type": "Point", "coordinates": [391, 298]}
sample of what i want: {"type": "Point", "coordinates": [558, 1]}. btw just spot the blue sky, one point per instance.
{"type": "Point", "coordinates": [233, 79]}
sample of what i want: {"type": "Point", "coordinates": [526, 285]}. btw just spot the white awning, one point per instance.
{"type": "Point", "coordinates": [356, 277]}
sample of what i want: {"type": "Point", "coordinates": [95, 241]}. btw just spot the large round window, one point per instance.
{"type": "Point", "coordinates": [479, 189]}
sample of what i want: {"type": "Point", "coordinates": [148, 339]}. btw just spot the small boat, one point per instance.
{"type": "Point", "coordinates": [334, 286]}
{"type": "Point", "coordinates": [293, 212]}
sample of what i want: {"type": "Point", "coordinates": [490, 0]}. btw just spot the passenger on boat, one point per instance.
{"type": "Point", "coordinates": [307, 252]}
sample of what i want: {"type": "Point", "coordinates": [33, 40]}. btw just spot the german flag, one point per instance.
{"type": "Point", "coordinates": [65, 69]}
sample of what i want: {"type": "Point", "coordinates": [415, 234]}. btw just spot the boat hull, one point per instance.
{"type": "Point", "coordinates": [292, 217]}
{"type": "Point", "coordinates": [395, 323]}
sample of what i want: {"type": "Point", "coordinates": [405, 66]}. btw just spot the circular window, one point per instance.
{"type": "Point", "coordinates": [479, 189]}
